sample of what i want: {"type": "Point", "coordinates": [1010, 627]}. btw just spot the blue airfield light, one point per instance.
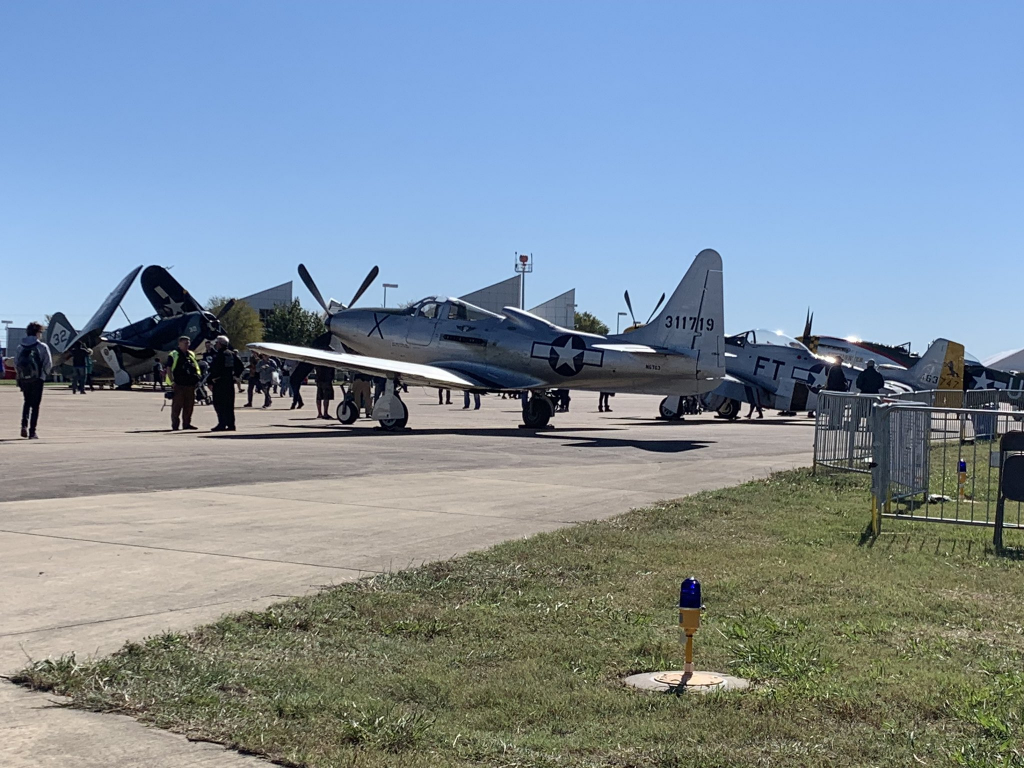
{"type": "Point", "coordinates": [689, 594]}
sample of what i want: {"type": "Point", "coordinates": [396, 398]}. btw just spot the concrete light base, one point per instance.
{"type": "Point", "coordinates": [675, 680]}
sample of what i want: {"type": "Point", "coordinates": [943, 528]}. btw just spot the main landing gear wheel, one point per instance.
{"type": "Point", "coordinates": [730, 409]}
{"type": "Point", "coordinates": [390, 425]}
{"type": "Point", "coordinates": [538, 412]}
{"type": "Point", "coordinates": [347, 412]}
{"type": "Point", "coordinates": [671, 409]}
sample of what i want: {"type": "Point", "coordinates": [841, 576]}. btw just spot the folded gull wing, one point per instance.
{"type": "Point", "coordinates": [91, 331]}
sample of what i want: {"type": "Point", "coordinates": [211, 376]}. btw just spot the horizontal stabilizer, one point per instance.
{"type": "Point", "coordinates": [635, 349]}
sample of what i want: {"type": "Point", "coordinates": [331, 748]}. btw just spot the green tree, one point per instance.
{"type": "Point", "coordinates": [291, 324]}
{"type": "Point", "coordinates": [242, 324]}
{"type": "Point", "coordinates": [586, 322]}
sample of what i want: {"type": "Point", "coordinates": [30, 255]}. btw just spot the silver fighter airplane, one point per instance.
{"type": "Point", "coordinates": [444, 342]}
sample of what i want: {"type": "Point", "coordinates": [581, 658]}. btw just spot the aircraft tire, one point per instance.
{"type": "Point", "coordinates": [538, 412]}
{"type": "Point", "coordinates": [347, 412]}
{"type": "Point", "coordinates": [391, 425]}
{"type": "Point", "coordinates": [730, 410]}
{"type": "Point", "coordinates": [667, 413]}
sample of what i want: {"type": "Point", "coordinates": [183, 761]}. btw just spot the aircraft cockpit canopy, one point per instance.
{"type": "Point", "coordinates": [763, 336]}
{"type": "Point", "coordinates": [434, 307]}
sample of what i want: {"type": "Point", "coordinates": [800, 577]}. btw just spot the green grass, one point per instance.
{"type": "Point", "coordinates": [901, 652]}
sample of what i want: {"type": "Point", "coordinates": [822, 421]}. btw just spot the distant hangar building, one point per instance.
{"type": "Point", "coordinates": [265, 301]}
{"type": "Point", "coordinates": [559, 310]}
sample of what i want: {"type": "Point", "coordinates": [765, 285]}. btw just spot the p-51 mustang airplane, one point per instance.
{"type": "Point", "coordinates": [444, 342]}
{"type": "Point", "coordinates": [129, 352]}
{"type": "Point", "coordinates": [772, 370]}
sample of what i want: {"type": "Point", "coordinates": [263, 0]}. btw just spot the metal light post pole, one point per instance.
{"type": "Point", "coordinates": [618, 320]}
{"type": "Point", "coordinates": [386, 286]}
{"type": "Point", "coordinates": [524, 265]}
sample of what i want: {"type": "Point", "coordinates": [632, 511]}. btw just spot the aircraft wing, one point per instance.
{"type": "Point", "coordinates": [411, 373]}
{"type": "Point", "coordinates": [165, 293]}
{"type": "Point", "coordinates": [91, 331]}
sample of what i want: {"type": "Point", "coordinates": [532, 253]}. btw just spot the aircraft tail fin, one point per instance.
{"type": "Point", "coordinates": [941, 367]}
{"type": "Point", "coordinates": [59, 333]}
{"type": "Point", "coordinates": [693, 320]}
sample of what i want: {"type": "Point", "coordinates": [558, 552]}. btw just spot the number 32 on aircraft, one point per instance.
{"type": "Point", "coordinates": [696, 323]}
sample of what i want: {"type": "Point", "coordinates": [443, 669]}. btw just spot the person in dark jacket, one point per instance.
{"type": "Point", "coordinates": [836, 381]}
{"type": "Point", "coordinates": [33, 363]}
{"type": "Point", "coordinates": [79, 362]}
{"type": "Point", "coordinates": [870, 381]}
{"type": "Point", "coordinates": [224, 367]}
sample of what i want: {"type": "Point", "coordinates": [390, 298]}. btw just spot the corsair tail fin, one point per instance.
{"type": "Point", "coordinates": [941, 367]}
{"type": "Point", "coordinates": [59, 334]}
{"type": "Point", "coordinates": [693, 319]}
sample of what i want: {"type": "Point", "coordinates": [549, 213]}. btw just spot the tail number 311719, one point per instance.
{"type": "Point", "coordinates": [692, 323]}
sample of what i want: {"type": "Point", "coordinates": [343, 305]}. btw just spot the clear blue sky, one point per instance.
{"type": "Point", "coordinates": [864, 158]}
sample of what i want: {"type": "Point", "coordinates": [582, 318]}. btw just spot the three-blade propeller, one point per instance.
{"type": "Point", "coordinates": [629, 306]}
{"type": "Point", "coordinates": [307, 280]}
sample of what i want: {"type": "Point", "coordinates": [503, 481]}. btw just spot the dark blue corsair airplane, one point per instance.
{"type": "Point", "coordinates": [128, 352]}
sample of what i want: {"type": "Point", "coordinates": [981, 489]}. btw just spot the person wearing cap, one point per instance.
{"type": "Point", "coordinates": [183, 370]}
{"type": "Point", "coordinates": [224, 367]}
{"type": "Point", "coordinates": [870, 381]}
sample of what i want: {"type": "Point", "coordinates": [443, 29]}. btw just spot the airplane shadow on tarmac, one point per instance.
{"type": "Point", "coordinates": [638, 421]}
{"type": "Point", "coordinates": [574, 440]}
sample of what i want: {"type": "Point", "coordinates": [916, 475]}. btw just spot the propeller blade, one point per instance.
{"type": "Point", "coordinates": [366, 284]}
{"type": "Point", "coordinates": [225, 309]}
{"type": "Point", "coordinates": [656, 308]}
{"type": "Point", "coordinates": [807, 324]}
{"type": "Point", "coordinates": [307, 280]}
{"type": "Point", "coordinates": [629, 306]}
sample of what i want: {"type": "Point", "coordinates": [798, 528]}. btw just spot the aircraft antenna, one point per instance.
{"type": "Point", "coordinates": [125, 314]}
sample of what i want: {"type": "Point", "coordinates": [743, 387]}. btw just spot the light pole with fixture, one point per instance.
{"type": "Point", "coordinates": [386, 286]}
{"type": "Point", "coordinates": [524, 265]}
{"type": "Point", "coordinates": [619, 319]}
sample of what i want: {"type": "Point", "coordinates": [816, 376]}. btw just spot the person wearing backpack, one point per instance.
{"type": "Point", "coordinates": [183, 369]}
{"type": "Point", "coordinates": [32, 362]}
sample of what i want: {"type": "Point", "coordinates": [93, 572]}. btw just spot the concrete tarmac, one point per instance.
{"type": "Point", "coordinates": [113, 528]}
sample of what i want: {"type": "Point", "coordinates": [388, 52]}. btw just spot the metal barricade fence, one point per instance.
{"type": "Point", "coordinates": [842, 431]}
{"type": "Point", "coordinates": [940, 464]}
